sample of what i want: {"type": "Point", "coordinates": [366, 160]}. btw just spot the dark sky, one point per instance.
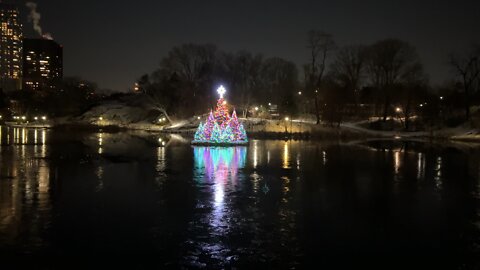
{"type": "Point", "coordinates": [114, 42]}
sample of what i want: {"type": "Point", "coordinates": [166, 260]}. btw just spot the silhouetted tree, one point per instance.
{"type": "Point", "coordinates": [348, 69]}
{"type": "Point", "coordinates": [320, 45]}
{"type": "Point", "coordinates": [243, 71]}
{"type": "Point", "coordinates": [390, 62]}
{"type": "Point", "coordinates": [467, 67]}
{"type": "Point", "coordinates": [280, 79]}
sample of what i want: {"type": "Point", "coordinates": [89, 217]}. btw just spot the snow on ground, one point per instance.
{"type": "Point", "coordinates": [124, 114]}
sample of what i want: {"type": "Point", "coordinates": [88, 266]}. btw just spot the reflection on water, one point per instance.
{"type": "Point", "coordinates": [286, 156]}
{"type": "Point", "coordinates": [219, 163]}
{"type": "Point", "coordinates": [274, 204]}
{"type": "Point", "coordinates": [25, 182]}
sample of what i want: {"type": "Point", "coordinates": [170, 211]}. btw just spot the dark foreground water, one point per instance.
{"type": "Point", "coordinates": [142, 201]}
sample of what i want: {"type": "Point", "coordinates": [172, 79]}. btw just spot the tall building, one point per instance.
{"type": "Point", "coordinates": [42, 64]}
{"type": "Point", "coordinates": [10, 47]}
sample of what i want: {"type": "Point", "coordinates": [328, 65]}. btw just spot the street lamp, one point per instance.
{"type": "Point", "coordinates": [441, 98]}
{"type": "Point", "coordinates": [35, 118]}
{"type": "Point", "coordinates": [300, 93]}
{"type": "Point", "coordinates": [398, 109]}
{"type": "Point", "coordinates": [256, 109]}
{"type": "Point", "coordinates": [44, 118]}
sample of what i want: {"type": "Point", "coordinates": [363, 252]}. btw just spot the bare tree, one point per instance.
{"type": "Point", "coordinates": [348, 68]}
{"type": "Point", "coordinates": [320, 45]}
{"type": "Point", "coordinates": [244, 72]}
{"type": "Point", "coordinates": [389, 62]}
{"type": "Point", "coordinates": [467, 67]}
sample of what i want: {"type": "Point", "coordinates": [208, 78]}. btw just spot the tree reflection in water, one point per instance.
{"type": "Point", "coordinates": [216, 173]}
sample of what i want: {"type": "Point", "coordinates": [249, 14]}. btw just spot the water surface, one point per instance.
{"type": "Point", "coordinates": [139, 200]}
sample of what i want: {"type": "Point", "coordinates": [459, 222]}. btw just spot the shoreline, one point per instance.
{"type": "Point", "coordinates": [344, 132]}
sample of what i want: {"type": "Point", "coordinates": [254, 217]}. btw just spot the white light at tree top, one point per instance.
{"type": "Point", "coordinates": [221, 91]}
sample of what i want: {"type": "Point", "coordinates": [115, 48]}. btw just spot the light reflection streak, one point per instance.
{"type": "Point", "coordinates": [286, 156]}
{"type": "Point", "coordinates": [396, 162]}
{"type": "Point", "coordinates": [255, 154]}
{"type": "Point", "coordinates": [420, 166]}
{"type": "Point", "coordinates": [438, 173]}
{"type": "Point", "coordinates": [100, 143]}
{"type": "Point", "coordinates": [219, 166]}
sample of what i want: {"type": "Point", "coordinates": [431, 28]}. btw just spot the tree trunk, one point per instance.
{"type": "Point", "coordinates": [467, 105]}
{"type": "Point", "coordinates": [385, 108]}
{"type": "Point", "coordinates": [317, 110]}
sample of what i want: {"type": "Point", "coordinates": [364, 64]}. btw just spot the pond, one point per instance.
{"type": "Point", "coordinates": [138, 200]}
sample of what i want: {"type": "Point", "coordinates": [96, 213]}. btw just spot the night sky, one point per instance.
{"type": "Point", "coordinates": [114, 42]}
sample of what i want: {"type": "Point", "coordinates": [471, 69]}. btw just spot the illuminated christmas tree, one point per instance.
{"type": "Point", "coordinates": [221, 112]}
{"type": "Point", "coordinates": [220, 128]}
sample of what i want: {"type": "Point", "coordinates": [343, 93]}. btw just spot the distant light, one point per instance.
{"type": "Point", "coordinates": [100, 118]}
{"type": "Point", "coordinates": [256, 108]}
{"type": "Point", "coordinates": [300, 93]}
{"type": "Point", "coordinates": [163, 143]}
{"type": "Point", "coordinates": [286, 118]}
{"type": "Point", "coordinates": [421, 105]}
{"type": "Point", "coordinates": [441, 98]}
{"type": "Point", "coordinates": [36, 118]}
{"type": "Point", "coordinates": [160, 139]}
{"type": "Point", "coordinates": [221, 91]}
{"type": "Point", "coordinates": [44, 118]}
{"type": "Point", "coordinates": [398, 109]}
{"type": "Point", "coordinates": [269, 104]}
{"type": "Point", "coordinates": [199, 118]}
{"type": "Point", "coordinates": [24, 117]}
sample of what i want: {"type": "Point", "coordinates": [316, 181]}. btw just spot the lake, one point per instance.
{"type": "Point", "coordinates": [141, 200]}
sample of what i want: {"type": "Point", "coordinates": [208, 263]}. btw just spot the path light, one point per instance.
{"type": "Point", "coordinates": [286, 118]}
{"type": "Point", "coordinates": [421, 105]}
{"type": "Point", "coordinates": [199, 118]}
{"type": "Point", "coordinates": [100, 118]}
{"type": "Point", "coordinates": [398, 109]}
{"type": "Point", "coordinates": [44, 118]}
{"type": "Point", "coordinates": [24, 117]}
{"type": "Point", "coordinates": [36, 118]}
{"type": "Point", "coordinates": [256, 109]}
{"type": "Point", "coordinates": [300, 93]}
{"type": "Point", "coordinates": [441, 98]}
{"type": "Point", "coordinates": [1, 117]}
{"type": "Point", "coordinates": [269, 104]}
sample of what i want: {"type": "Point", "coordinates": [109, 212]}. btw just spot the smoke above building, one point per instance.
{"type": "Point", "coordinates": [35, 17]}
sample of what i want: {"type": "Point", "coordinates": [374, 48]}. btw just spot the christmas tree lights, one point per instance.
{"type": "Point", "coordinates": [220, 127]}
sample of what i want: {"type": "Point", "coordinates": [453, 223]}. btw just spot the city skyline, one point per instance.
{"type": "Point", "coordinates": [115, 44]}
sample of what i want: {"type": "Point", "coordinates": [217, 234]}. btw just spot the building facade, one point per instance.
{"type": "Point", "coordinates": [42, 64]}
{"type": "Point", "coordinates": [11, 36]}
